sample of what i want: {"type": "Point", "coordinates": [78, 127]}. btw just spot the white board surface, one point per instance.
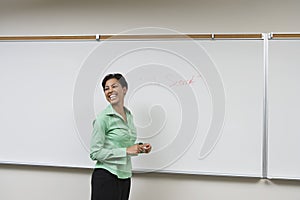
{"type": "Point", "coordinates": [199, 103]}
{"type": "Point", "coordinates": [284, 109]}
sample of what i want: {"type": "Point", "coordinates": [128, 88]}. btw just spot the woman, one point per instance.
{"type": "Point", "coordinates": [113, 143]}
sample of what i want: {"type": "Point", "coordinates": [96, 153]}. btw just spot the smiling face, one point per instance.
{"type": "Point", "coordinates": [114, 92]}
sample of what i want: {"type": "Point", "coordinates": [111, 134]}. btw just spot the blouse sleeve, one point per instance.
{"type": "Point", "coordinates": [99, 153]}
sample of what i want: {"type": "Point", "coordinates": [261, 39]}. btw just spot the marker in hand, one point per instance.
{"type": "Point", "coordinates": [145, 147]}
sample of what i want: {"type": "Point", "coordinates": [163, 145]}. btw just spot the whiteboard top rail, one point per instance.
{"type": "Point", "coordinates": [133, 37]}
{"type": "Point", "coordinates": [284, 36]}
{"type": "Point", "coordinates": [99, 37]}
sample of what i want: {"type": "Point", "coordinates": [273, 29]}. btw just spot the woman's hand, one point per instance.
{"type": "Point", "coordinates": [138, 148]}
{"type": "Point", "coordinates": [134, 149]}
{"type": "Point", "coordinates": [146, 148]}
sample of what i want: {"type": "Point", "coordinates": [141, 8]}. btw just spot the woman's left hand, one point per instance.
{"type": "Point", "coordinates": [146, 148]}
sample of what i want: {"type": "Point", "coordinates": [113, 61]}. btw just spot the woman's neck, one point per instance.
{"type": "Point", "coordinates": [120, 109]}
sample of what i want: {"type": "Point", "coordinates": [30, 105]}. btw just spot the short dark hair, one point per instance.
{"type": "Point", "coordinates": [117, 76]}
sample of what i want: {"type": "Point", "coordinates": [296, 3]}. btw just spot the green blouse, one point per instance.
{"type": "Point", "coordinates": [110, 138]}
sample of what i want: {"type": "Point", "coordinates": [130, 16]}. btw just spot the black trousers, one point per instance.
{"type": "Point", "coordinates": [107, 186]}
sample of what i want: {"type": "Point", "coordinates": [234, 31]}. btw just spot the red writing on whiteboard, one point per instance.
{"type": "Point", "coordinates": [185, 82]}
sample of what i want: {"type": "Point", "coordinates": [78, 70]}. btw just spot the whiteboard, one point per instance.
{"type": "Point", "coordinates": [199, 103]}
{"type": "Point", "coordinates": [37, 123]}
{"type": "Point", "coordinates": [284, 109]}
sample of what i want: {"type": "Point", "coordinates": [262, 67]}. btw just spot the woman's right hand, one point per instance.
{"type": "Point", "coordinates": [134, 149]}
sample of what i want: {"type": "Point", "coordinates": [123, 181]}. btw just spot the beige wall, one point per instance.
{"type": "Point", "coordinates": [63, 17]}
{"type": "Point", "coordinates": [47, 183]}
{"type": "Point", "coordinates": [22, 17]}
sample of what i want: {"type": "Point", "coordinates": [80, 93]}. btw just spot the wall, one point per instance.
{"type": "Point", "coordinates": [22, 17]}
{"type": "Point", "coordinates": [57, 17]}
